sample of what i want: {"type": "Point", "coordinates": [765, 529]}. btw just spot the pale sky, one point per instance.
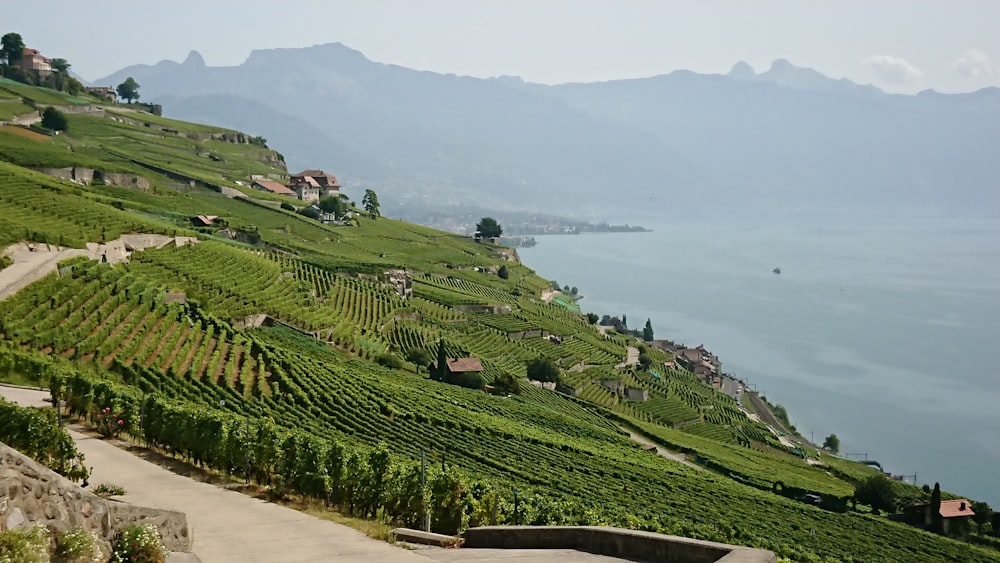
{"type": "Point", "coordinates": [899, 46]}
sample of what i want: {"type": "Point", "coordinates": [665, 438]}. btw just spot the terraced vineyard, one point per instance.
{"type": "Point", "coordinates": [304, 382]}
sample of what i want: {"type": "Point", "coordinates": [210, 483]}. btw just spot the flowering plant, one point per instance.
{"type": "Point", "coordinates": [110, 423]}
{"type": "Point", "coordinates": [139, 543]}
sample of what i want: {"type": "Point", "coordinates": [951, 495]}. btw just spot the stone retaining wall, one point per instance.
{"type": "Point", "coordinates": [633, 545]}
{"type": "Point", "coordinates": [30, 492]}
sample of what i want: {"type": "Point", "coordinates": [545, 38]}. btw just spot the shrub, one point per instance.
{"type": "Point", "coordinates": [310, 212]}
{"type": "Point", "coordinates": [472, 380]}
{"type": "Point", "coordinates": [506, 383]}
{"type": "Point", "coordinates": [139, 543]}
{"type": "Point", "coordinates": [77, 545]}
{"type": "Point", "coordinates": [390, 361]}
{"type": "Point", "coordinates": [109, 490]}
{"type": "Point", "coordinates": [25, 545]}
{"type": "Point", "coordinates": [53, 119]}
{"type": "Point", "coordinates": [287, 206]}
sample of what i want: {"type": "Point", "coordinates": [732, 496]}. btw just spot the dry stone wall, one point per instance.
{"type": "Point", "coordinates": [30, 493]}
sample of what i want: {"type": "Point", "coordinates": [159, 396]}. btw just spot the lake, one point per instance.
{"type": "Point", "coordinates": [885, 333]}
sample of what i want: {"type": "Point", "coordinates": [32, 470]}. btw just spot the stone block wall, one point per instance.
{"type": "Point", "coordinates": [30, 492]}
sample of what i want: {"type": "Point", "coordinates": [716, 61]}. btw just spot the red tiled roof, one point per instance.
{"type": "Point", "coordinates": [276, 187]}
{"type": "Point", "coordinates": [322, 178]}
{"type": "Point", "coordinates": [956, 508]}
{"type": "Point", "coordinates": [28, 52]}
{"type": "Point", "coordinates": [457, 365]}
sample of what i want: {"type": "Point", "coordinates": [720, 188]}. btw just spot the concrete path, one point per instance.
{"type": "Point", "coordinates": [228, 526]}
{"type": "Point", "coordinates": [30, 266]}
{"type": "Point", "coordinates": [631, 357]}
{"type": "Point", "coordinates": [640, 439]}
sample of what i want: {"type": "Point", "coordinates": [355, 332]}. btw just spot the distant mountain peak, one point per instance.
{"type": "Point", "coordinates": [782, 65]}
{"type": "Point", "coordinates": [194, 58]}
{"type": "Point", "coordinates": [324, 53]}
{"type": "Point", "coordinates": [742, 71]}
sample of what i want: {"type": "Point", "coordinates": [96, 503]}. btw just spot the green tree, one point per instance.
{"type": "Point", "coordinates": [287, 206]}
{"type": "Point", "coordinates": [333, 204]}
{"type": "Point", "coordinates": [11, 48]}
{"type": "Point", "coordinates": [60, 74]}
{"type": "Point", "coordinates": [60, 65]}
{"type": "Point", "coordinates": [54, 119]}
{"type": "Point", "coordinates": [370, 203]}
{"type": "Point", "coordinates": [647, 331]}
{"type": "Point", "coordinates": [645, 360]}
{"type": "Point", "coordinates": [73, 86]}
{"type": "Point", "coordinates": [487, 227]}
{"type": "Point", "coordinates": [624, 320]}
{"type": "Point", "coordinates": [543, 369]}
{"type": "Point", "coordinates": [877, 492]}
{"type": "Point", "coordinates": [592, 318]}
{"type": "Point", "coordinates": [983, 515]}
{"type": "Point", "coordinates": [832, 443]}
{"type": "Point", "coordinates": [506, 384]}
{"type": "Point", "coordinates": [936, 509]}
{"type": "Point", "coordinates": [419, 357]}
{"type": "Point", "coordinates": [128, 90]}
{"type": "Point", "coordinates": [502, 272]}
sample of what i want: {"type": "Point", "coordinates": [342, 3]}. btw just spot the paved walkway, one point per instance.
{"type": "Point", "coordinates": [228, 526]}
{"type": "Point", "coordinates": [30, 266]}
{"type": "Point", "coordinates": [232, 527]}
{"type": "Point", "coordinates": [631, 357]}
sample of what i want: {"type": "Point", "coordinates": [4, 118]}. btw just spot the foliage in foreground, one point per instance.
{"type": "Point", "coordinates": [36, 434]}
{"type": "Point", "coordinates": [138, 544]}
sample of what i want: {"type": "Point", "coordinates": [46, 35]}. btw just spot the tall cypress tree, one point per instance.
{"type": "Point", "coordinates": [936, 509]}
{"type": "Point", "coordinates": [647, 331]}
{"type": "Point", "coordinates": [441, 370]}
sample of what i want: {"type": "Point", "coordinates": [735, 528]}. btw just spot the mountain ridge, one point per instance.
{"type": "Point", "coordinates": [787, 135]}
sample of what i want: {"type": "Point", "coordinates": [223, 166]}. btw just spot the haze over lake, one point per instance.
{"type": "Point", "coordinates": [884, 333]}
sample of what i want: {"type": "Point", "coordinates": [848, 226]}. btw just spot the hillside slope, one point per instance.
{"type": "Point", "coordinates": [179, 328]}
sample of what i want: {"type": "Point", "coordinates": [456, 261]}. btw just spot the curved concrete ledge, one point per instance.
{"type": "Point", "coordinates": [614, 542]}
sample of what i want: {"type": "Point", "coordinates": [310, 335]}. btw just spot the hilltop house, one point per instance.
{"type": "Point", "coordinates": [32, 59]}
{"type": "Point", "coordinates": [325, 182]}
{"type": "Point", "coordinates": [273, 187]}
{"type": "Point", "coordinates": [305, 188]}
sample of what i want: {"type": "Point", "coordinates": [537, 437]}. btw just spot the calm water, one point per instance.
{"type": "Point", "coordinates": [888, 336]}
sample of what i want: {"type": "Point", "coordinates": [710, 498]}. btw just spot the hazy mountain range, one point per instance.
{"type": "Point", "coordinates": [785, 140]}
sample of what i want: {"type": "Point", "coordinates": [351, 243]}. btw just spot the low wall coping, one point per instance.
{"type": "Point", "coordinates": [635, 545]}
